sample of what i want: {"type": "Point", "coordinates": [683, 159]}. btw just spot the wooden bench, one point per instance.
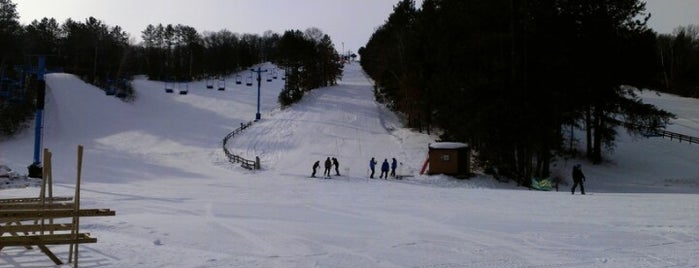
{"type": "Point", "coordinates": [47, 220]}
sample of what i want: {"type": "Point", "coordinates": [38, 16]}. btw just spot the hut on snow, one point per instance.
{"type": "Point", "coordinates": [450, 158]}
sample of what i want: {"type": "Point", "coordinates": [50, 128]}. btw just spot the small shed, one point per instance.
{"type": "Point", "coordinates": [451, 158]}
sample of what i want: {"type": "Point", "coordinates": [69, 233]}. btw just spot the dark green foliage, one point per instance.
{"type": "Point", "coordinates": [679, 60]}
{"type": "Point", "coordinates": [94, 51]}
{"type": "Point", "coordinates": [310, 61]}
{"type": "Point", "coordinates": [14, 116]}
{"type": "Point", "coordinates": [508, 76]}
{"type": "Point", "coordinates": [179, 53]}
{"type": "Point", "coordinates": [14, 109]}
{"type": "Point", "coordinates": [291, 93]}
{"type": "Point", "coordinates": [10, 34]}
{"type": "Point", "coordinates": [17, 107]}
{"type": "Point", "coordinates": [43, 37]}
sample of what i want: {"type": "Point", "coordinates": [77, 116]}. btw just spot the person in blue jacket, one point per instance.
{"type": "Point", "coordinates": [372, 165]}
{"type": "Point", "coordinates": [384, 170]}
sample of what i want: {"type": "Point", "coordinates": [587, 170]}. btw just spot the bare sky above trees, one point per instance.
{"type": "Point", "coordinates": [349, 23]}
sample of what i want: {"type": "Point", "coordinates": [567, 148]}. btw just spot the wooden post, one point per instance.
{"type": "Point", "coordinates": [48, 178]}
{"type": "Point", "coordinates": [48, 166]}
{"type": "Point", "coordinates": [76, 208]}
{"type": "Point", "coordinates": [44, 185]}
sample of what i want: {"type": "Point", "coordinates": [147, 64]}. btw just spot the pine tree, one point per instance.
{"type": "Point", "coordinates": [507, 76]}
{"type": "Point", "coordinates": [10, 34]}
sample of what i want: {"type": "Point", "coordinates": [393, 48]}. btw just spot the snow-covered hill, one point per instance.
{"type": "Point", "coordinates": [158, 162]}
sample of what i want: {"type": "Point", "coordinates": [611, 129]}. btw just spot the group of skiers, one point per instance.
{"type": "Point", "coordinates": [332, 162]}
{"type": "Point", "coordinates": [578, 176]}
{"type": "Point", "coordinates": [329, 163]}
{"type": "Point", "coordinates": [384, 168]}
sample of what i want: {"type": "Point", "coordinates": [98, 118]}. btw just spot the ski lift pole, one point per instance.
{"type": "Point", "coordinates": [35, 170]}
{"type": "Point", "coordinates": [259, 72]}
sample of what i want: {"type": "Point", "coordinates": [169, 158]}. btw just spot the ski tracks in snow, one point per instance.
{"type": "Point", "coordinates": [282, 248]}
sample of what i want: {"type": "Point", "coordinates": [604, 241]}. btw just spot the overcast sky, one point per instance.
{"type": "Point", "coordinates": [348, 22]}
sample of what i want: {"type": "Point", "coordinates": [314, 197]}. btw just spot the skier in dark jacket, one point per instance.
{"type": "Point", "coordinates": [394, 165]}
{"type": "Point", "coordinates": [316, 165]}
{"type": "Point", "coordinates": [578, 178]}
{"type": "Point", "coordinates": [372, 165]}
{"type": "Point", "coordinates": [384, 170]}
{"type": "Point", "coordinates": [328, 165]}
{"type": "Point", "coordinates": [337, 166]}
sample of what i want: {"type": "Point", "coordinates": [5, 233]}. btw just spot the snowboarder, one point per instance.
{"type": "Point", "coordinates": [394, 165]}
{"type": "Point", "coordinates": [337, 166]}
{"type": "Point", "coordinates": [578, 178]}
{"type": "Point", "coordinates": [328, 165]}
{"type": "Point", "coordinates": [384, 170]}
{"type": "Point", "coordinates": [316, 165]}
{"type": "Point", "coordinates": [372, 165]}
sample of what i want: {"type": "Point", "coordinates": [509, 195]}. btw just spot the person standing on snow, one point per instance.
{"type": "Point", "coordinates": [384, 169]}
{"type": "Point", "coordinates": [394, 165]}
{"type": "Point", "coordinates": [372, 165]}
{"type": "Point", "coordinates": [578, 178]}
{"type": "Point", "coordinates": [316, 165]}
{"type": "Point", "coordinates": [328, 165]}
{"type": "Point", "coordinates": [337, 166]}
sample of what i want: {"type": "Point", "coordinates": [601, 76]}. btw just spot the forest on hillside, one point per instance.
{"type": "Point", "coordinates": [517, 79]}
{"type": "Point", "coordinates": [106, 57]}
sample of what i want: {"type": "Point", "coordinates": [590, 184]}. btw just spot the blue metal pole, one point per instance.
{"type": "Point", "coordinates": [259, 72]}
{"type": "Point", "coordinates": [40, 109]}
{"type": "Point", "coordinates": [35, 169]}
{"type": "Point", "coordinates": [37, 137]}
{"type": "Point", "coordinates": [259, 81]}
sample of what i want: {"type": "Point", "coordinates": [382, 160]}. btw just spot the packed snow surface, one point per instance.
{"type": "Point", "coordinates": [158, 162]}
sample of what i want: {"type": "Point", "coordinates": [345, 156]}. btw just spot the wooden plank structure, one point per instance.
{"type": "Point", "coordinates": [30, 221]}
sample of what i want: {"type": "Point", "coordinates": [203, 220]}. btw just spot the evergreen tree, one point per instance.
{"type": "Point", "coordinates": [679, 59]}
{"type": "Point", "coordinates": [10, 34]}
{"type": "Point", "coordinates": [42, 37]}
{"type": "Point", "coordinates": [14, 108]}
{"type": "Point", "coordinates": [507, 76]}
{"type": "Point", "coordinates": [310, 61]}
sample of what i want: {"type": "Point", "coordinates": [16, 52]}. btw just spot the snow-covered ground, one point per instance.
{"type": "Point", "coordinates": [158, 163]}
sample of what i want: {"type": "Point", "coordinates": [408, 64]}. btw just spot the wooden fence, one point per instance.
{"type": "Point", "coordinates": [675, 136]}
{"type": "Point", "coordinates": [233, 158]}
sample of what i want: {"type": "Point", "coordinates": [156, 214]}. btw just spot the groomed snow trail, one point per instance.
{"type": "Point", "coordinates": [341, 121]}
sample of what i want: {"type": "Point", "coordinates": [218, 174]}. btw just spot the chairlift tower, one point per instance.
{"type": "Point", "coordinates": [35, 170]}
{"type": "Point", "coordinates": [259, 72]}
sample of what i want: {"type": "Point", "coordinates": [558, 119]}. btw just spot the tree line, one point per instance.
{"type": "Point", "coordinates": [679, 61]}
{"type": "Point", "coordinates": [106, 56]}
{"type": "Point", "coordinates": [309, 60]}
{"type": "Point", "coordinates": [519, 80]}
